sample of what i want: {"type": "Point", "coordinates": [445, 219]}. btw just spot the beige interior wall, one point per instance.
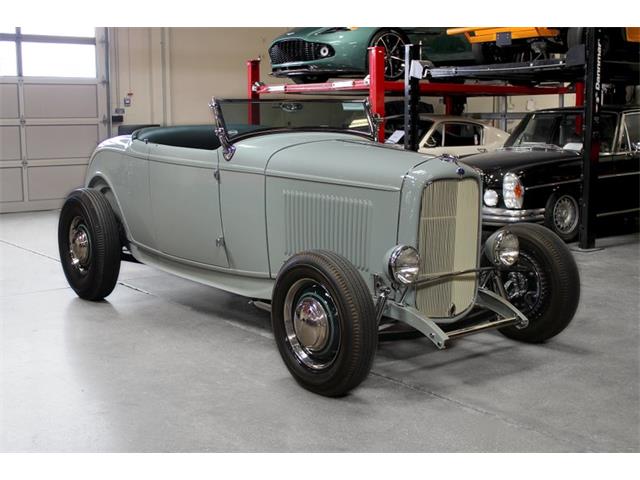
{"type": "Point", "coordinates": [173, 72]}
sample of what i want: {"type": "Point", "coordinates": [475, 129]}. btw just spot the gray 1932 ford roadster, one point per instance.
{"type": "Point", "coordinates": [291, 204]}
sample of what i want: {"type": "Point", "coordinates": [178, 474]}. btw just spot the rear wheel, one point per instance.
{"type": "Point", "coordinates": [324, 322]}
{"type": "Point", "coordinates": [562, 215]}
{"type": "Point", "coordinates": [544, 284]}
{"type": "Point", "coordinates": [89, 244]}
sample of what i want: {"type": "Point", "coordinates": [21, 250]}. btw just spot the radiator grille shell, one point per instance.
{"type": "Point", "coordinates": [448, 242]}
{"type": "Point", "coordinates": [295, 50]}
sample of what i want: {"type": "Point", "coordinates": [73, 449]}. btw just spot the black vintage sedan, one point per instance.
{"type": "Point", "coordinates": [537, 176]}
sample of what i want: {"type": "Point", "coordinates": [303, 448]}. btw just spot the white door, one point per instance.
{"type": "Point", "coordinates": [53, 113]}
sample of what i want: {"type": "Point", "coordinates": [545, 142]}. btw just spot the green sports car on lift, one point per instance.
{"type": "Point", "coordinates": [315, 54]}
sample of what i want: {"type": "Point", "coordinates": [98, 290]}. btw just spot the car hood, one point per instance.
{"type": "Point", "coordinates": [510, 159]}
{"type": "Point", "coordinates": [346, 160]}
{"type": "Point", "coordinates": [300, 32]}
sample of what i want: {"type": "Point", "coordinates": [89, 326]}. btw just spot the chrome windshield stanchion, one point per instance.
{"type": "Point", "coordinates": [228, 149]}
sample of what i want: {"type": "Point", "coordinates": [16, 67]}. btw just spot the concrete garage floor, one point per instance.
{"type": "Point", "coordinates": [169, 365]}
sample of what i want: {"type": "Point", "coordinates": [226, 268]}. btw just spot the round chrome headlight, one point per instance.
{"type": "Point", "coordinates": [503, 248]}
{"type": "Point", "coordinates": [490, 198]}
{"type": "Point", "coordinates": [404, 263]}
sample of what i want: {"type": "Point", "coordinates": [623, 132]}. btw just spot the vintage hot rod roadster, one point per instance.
{"type": "Point", "coordinates": [291, 204]}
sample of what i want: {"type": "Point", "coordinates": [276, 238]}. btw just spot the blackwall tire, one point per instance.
{"type": "Point", "coordinates": [558, 282]}
{"type": "Point", "coordinates": [89, 244]}
{"type": "Point", "coordinates": [562, 215]}
{"type": "Point", "coordinates": [324, 322]}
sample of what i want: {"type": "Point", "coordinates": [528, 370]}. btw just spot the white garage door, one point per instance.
{"type": "Point", "coordinates": [53, 113]}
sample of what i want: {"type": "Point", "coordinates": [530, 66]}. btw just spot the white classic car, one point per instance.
{"type": "Point", "coordinates": [450, 135]}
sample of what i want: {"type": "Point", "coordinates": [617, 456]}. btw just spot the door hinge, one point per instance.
{"type": "Point", "coordinates": [220, 242]}
{"type": "Point", "coordinates": [216, 174]}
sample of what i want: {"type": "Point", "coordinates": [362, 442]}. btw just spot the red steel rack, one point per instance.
{"type": "Point", "coordinates": [375, 87]}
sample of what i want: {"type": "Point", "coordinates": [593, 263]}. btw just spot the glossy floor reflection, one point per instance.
{"type": "Point", "coordinates": [169, 365]}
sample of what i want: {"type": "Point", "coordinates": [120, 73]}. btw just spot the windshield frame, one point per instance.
{"type": "Point", "coordinates": [226, 140]}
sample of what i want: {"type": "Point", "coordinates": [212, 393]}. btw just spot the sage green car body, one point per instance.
{"type": "Point", "coordinates": [232, 224]}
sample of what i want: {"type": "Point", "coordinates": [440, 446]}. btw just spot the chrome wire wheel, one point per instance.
{"type": "Point", "coordinates": [565, 215]}
{"type": "Point", "coordinates": [393, 43]}
{"type": "Point", "coordinates": [311, 324]}
{"type": "Point", "coordinates": [79, 245]}
{"type": "Point", "coordinates": [526, 287]}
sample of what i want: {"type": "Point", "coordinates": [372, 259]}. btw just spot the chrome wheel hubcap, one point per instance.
{"type": "Point", "coordinates": [79, 245]}
{"type": "Point", "coordinates": [565, 214]}
{"type": "Point", "coordinates": [310, 321]}
{"type": "Point", "coordinates": [394, 58]}
{"type": "Point", "coordinates": [311, 324]}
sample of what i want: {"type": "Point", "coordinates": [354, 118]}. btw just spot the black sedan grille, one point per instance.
{"type": "Point", "coordinates": [298, 51]}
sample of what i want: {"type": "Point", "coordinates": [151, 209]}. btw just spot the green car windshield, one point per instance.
{"type": "Point", "coordinates": [241, 118]}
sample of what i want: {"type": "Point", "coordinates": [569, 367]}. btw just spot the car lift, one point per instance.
{"type": "Point", "coordinates": [582, 66]}
{"type": "Point", "coordinates": [375, 87]}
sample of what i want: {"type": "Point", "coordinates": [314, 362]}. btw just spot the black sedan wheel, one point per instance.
{"type": "Point", "coordinates": [89, 244]}
{"type": "Point", "coordinates": [544, 284]}
{"type": "Point", "coordinates": [562, 215]}
{"type": "Point", "coordinates": [393, 43]}
{"type": "Point", "coordinates": [324, 322]}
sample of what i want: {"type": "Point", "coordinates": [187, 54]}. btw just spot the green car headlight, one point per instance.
{"type": "Point", "coordinates": [404, 264]}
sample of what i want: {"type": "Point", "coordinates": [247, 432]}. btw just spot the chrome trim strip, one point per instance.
{"type": "Point", "coordinates": [619, 175]}
{"type": "Point", "coordinates": [629, 210]}
{"type": "Point", "coordinates": [552, 184]}
{"type": "Point", "coordinates": [579, 180]}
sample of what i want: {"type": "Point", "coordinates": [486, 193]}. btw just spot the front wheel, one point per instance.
{"type": "Point", "coordinates": [544, 284]}
{"type": "Point", "coordinates": [89, 244]}
{"type": "Point", "coordinates": [393, 42]}
{"type": "Point", "coordinates": [324, 322]}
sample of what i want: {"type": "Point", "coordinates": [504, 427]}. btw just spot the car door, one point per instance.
{"type": "Point", "coordinates": [626, 172]}
{"type": "Point", "coordinates": [185, 204]}
{"type": "Point", "coordinates": [454, 138]}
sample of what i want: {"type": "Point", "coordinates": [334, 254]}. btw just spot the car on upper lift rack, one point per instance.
{"type": "Point", "coordinates": [294, 205]}
{"type": "Point", "coordinates": [537, 176]}
{"type": "Point", "coordinates": [315, 54]}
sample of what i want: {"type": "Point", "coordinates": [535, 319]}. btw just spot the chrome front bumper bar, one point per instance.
{"type": "Point", "coordinates": [503, 216]}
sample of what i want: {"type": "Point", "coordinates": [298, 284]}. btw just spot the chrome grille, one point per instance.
{"type": "Point", "coordinates": [296, 51]}
{"type": "Point", "coordinates": [448, 242]}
